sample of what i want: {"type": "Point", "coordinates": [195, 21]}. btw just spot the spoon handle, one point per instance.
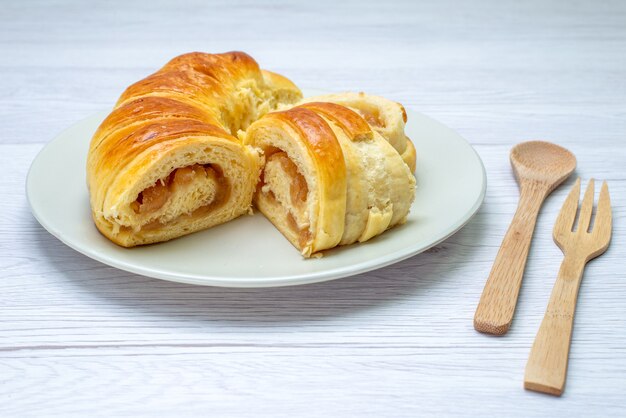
{"type": "Point", "coordinates": [497, 302]}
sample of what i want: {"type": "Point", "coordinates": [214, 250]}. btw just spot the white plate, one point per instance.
{"type": "Point", "coordinates": [249, 251]}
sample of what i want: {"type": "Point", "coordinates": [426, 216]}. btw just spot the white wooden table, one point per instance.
{"type": "Point", "coordinates": [80, 338]}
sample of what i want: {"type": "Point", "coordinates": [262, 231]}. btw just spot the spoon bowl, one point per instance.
{"type": "Point", "coordinates": [543, 162]}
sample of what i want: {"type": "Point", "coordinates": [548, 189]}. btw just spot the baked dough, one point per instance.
{"type": "Point", "coordinates": [330, 178]}
{"type": "Point", "coordinates": [166, 162]}
{"type": "Point", "coordinates": [181, 152]}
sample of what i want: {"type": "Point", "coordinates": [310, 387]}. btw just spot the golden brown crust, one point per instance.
{"type": "Point", "coordinates": [151, 108]}
{"type": "Point", "coordinates": [352, 124]}
{"type": "Point", "coordinates": [317, 135]}
{"type": "Point", "coordinates": [218, 65]}
{"type": "Point", "coordinates": [201, 77]}
{"type": "Point", "coordinates": [122, 148]}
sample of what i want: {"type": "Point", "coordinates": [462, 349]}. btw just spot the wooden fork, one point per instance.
{"type": "Point", "coordinates": [547, 365]}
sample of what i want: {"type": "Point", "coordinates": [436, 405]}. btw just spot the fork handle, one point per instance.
{"type": "Point", "coordinates": [495, 310]}
{"type": "Point", "coordinates": [547, 364]}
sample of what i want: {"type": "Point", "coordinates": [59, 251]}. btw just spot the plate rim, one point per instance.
{"type": "Point", "coordinates": [254, 282]}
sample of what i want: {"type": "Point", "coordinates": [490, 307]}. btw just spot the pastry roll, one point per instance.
{"type": "Point", "coordinates": [166, 161]}
{"type": "Point", "coordinates": [386, 117]}
{"type": "Point", "coordinates": [329, 179]}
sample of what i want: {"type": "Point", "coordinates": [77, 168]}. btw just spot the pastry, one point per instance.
{"type": "Point", "coordinates": [196, 143]}
{"type": "Point", "coordinates": [167, 162]}
{"type": "Point", "coordinates": [330, 177]}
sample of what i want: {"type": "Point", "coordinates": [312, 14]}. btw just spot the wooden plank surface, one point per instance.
{"type": "Point", "coordinates": [80, 338]}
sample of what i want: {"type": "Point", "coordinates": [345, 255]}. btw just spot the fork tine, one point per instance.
{"type": "Point", "coordinates": [565, 220]}
{"type": "Point", "coordinates": [584, 219]}
{"type": "Point", "coordinates": [603, 221]}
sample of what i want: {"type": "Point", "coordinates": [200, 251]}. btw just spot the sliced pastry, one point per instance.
{"type": "Point", "coordinates": [330, 178]}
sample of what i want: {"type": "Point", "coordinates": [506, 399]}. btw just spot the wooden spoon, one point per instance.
{"type": "Point", "coordinates": [539, 168]}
